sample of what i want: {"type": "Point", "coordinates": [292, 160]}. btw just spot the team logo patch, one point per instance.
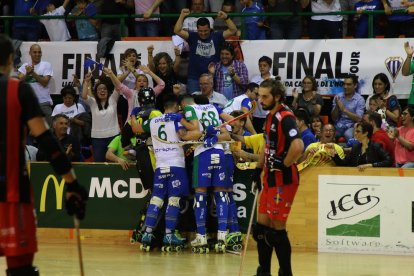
{"type": "Point", "coordinates": [293, 132]}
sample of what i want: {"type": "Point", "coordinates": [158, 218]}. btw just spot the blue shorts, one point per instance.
{"type": "Point", "coordinates": [209, 169]}
{"type": "Point", "coordinates": [170, 181]}
{"type": "Point", "coordinates": [229, 170]}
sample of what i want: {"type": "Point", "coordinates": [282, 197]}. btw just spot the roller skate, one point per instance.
{"type": "Point", "coordinates": [136, 236]}
{"type": "Point", "coordinates": [146, 243]}
{"type": "Point", "coordinates": [234, 242]}
{"type": "Point", "coordinates": [220, 246]}
{"type": "Point", "coordinates": [172, 243]}
{"type": "Point", "coordinates": [199, 244]}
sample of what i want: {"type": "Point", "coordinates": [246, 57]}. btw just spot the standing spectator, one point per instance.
{"type": "Point", "coordinates": [69, 143]}
{"type": "Point", "coordinates": [56, 28]}
{"type": "Point", "coordinates": [347, 5]}
{"type": "Point", "coordinates": [389, 104]}
{"type": "Point", "coordinates": [408, 69]}
{"type": "Point", "coordinates": [18, 242]}
{"type": "Point", "coordinates": [365, 154]}
{"type": "Point", "coordinates": [404, 140]}
{"type": "Point", "coordinates": [309, 99]}
{"type": "Point", "coordinates": [147, 25]}
{"type": "Point", "coordinates": [399, 23]}
{"type": "Point", "coordinates": [69, 107]}
{"type": "Point", "coordinates": [255, 28]}
{"type": "Point", "coordinates": [244, 103]}
{"type": "Point", "coordinates": [361, 20]}
{"type": "Point", "coordinates": [213, 5]}
{"type": "Point", "coordinates": [280, 179]}
{"type": "Point", "coordinates": [259, 115]}
{"type": "Point", "coordinates": [230, 75]}
{"type": "Point", "coordinates": [38, 74]}
{"type": "Point", "coordinates": [325, 26]}
{"type": "Point", "coordinates": [347, 108]}
{"type": "Point", "coordinates": [190, 23]}
{"type": "Point", "coordinates": [103, 103]}
{"type": "Point", "coordinates": [86, 28]}
{"type": "Point", "coordinates": [26, 29]}
{"type": "Point", "coordinates": [204, 45]}
{"type": "Point", "coordinates": [167, 69]}
{"type": "Point", "coordinates": [286, 27]}
{"type": "Point", "coordinates": [220, 24]}
{"type": "Point", "coordinates": [129, 71]}
{"type": "Point", "coordinates": [206, 84]}
{"type": "Point", "coordinates": [379, 135]}
{"type": "Point", "coordinates": [303, 122]}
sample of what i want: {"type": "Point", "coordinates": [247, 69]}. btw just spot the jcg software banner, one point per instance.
{"type": "Point", "coordinates": [372, 215]}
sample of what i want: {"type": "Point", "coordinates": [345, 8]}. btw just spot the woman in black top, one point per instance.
{"type": "Point", "coordinates": [366, 154]}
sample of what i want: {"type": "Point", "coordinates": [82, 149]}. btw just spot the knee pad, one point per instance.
{"type": "Point", "coordinates": [174, 201]}
{"type": "Point", "coordinates": [26, 270]}
{"type": "Point", "coordinates": [274, 237]}
{"type": "Point", "coordinates": [221, 196]}
{"type": "Point", "coordinates": [157, 201]}
{"type": "Point", "coordinates": [198, 199]}
{"type": "Point", "coordinates": [259, 231]}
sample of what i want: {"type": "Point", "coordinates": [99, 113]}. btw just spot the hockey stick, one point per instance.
{"type": "Point", "coordinates": [239, 117]}
{"type": "Point", "coordinates": [249, 229]}
{"type": "Point", "coordinates": [181, 143]}
{"type": "Point", "coordinates": [78, 240]}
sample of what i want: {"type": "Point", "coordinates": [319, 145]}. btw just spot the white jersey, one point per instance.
{"type": "Point", "coordinates": [70, 111]}
{"type": "Point", "coordinates": [166, 155]}
{"type": "Point", "coordinates": [207, 115]}
{"type": "Point", "coordinates": [236, 104]}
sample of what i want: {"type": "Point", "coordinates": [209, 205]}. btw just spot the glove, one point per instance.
{"type": "Point", "coordinates": [275, 163]}
{"type": "Point", "coordinates": [256, 180]}
{"type": "Point", "coordinates": [210, 141]}
{"type": "Point", "coordinates": [175, 117]}
{"type": "Point", "coordinates": [135, 111]}
{"type": "Point", "coordinates": [76, 203]}
{"type": "Point", "coordinates": [211, 131]}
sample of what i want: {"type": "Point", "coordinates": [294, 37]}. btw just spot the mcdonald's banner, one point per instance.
{"type": "Point", "coordinates": [327, 60]}
{"type": "Point", "coordinates": [115, 196]}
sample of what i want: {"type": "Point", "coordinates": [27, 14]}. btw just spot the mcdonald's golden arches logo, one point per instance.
{"type": "Point", "coordinates": [58, 190]}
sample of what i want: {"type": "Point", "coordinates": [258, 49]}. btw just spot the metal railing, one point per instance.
{"type": "Point", "coordinates": [123, 17]}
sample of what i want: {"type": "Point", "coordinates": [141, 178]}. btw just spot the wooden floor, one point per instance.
{"type": "Point", "coordinates": [113, 255]}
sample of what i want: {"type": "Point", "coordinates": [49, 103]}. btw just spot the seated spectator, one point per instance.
{"type": "Point", "coordinates": [361, 19]}
{"type": "Point", "coordinates": [374, 106]}
{"type": "Point", "coordinates": [316, 127]}
{"type": "Point", "coordinates": [56, 28]}
{"type": "Point", "coordinates": [321, 153]}
{"type": "Point", "coordinates": [366, 154]}
{"type": "Point", "coordinates": [285, 27]}
{"type": "Point", "coordinates": [69, 107]}
{"type": "Point", "coordinates": [230, 75]}
{"type": "Point", "coordinates": [116, 153]}
{"type": "Point", "coordinates": [206, 84]}
{"type": "Point", "coordinates": [68, 142]}
{"type": "Point", "coordinates": [403, 138]}
{"type": "Point", "coordinates": [387, 102]}
{"type": "Point", "coordinates": [164, 67]}
{"type": "Point", "coordinates": [303, 122]}
{"type": "Point", "coordinates": [379, 135]}
{"type": "Point", "coordinates": [255, 27]}
{"type": "Point", "coordinates": [86, 28]}
{"type": "Point", "coordinates": [309, 99]}
{"type": "Point", "coordinates": [347, 108]}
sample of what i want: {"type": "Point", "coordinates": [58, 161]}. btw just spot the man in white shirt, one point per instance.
{"type": "Point", "coordinates": [56, 28]}
{"type": "Point", "coordinates": [206, 87]}
{"type": "Point", "coordinates": [38, 73]}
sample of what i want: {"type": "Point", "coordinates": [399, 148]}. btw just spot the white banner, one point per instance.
{"type": "Point", "coordinates": [366, 214]}
{"type": "Point", "coordinates": [327, 60]}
